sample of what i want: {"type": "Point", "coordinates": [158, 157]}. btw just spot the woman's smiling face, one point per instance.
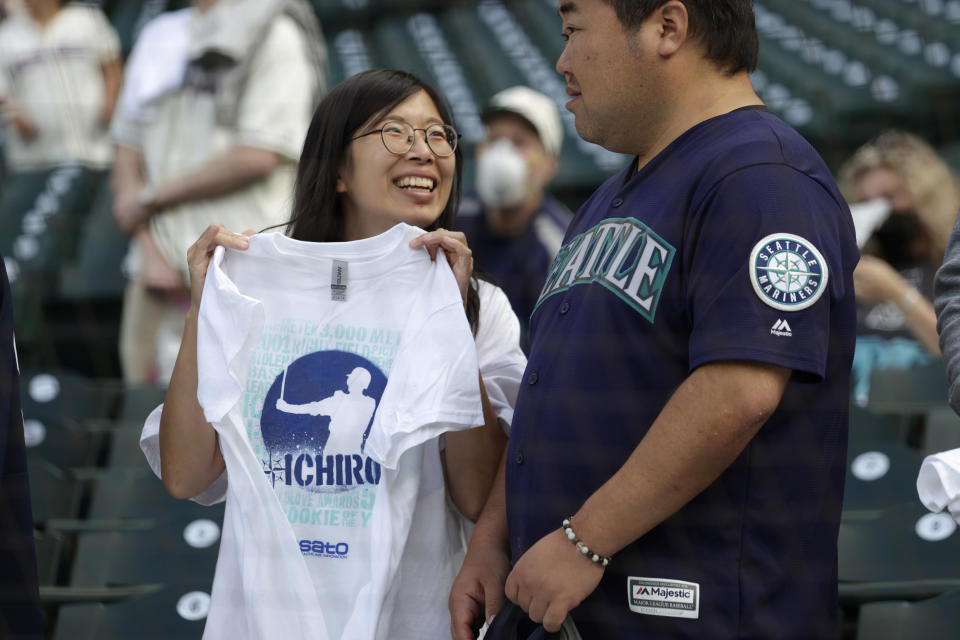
{"type": "Point", "coordinates": [380, 189]}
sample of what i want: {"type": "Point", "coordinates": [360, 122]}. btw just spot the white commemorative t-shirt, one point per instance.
{"type": "Point", "coordinates": [329, 414]}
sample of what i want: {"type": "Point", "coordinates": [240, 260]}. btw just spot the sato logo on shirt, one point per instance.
{"type": "Point", "coordinates": [658, 597]}
{"type": "Point", "coordinates": [322, 549]}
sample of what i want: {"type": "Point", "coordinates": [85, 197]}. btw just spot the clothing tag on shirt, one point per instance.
{"type": "Point", "coordinates": [338, 281]}
{"type": "Point", "coordinates": [658, 597]}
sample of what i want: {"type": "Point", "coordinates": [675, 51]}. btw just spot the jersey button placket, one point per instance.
{"type": "Point", "coordinates": [616, 203]}
{"type": "Point", "coordinates": [564, 308]}
{"type": "Point", "coordinates": [532, 380]}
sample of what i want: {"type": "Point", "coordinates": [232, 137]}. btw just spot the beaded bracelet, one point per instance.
{"type": "Point", "coordinates": [593, 557]}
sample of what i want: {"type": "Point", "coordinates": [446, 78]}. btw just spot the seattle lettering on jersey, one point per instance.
{"type": "Point", "coordinates": [621, 254]}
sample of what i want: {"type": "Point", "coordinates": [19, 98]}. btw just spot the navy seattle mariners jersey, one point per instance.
{"type": "Point", "coordinates": [732, 244]}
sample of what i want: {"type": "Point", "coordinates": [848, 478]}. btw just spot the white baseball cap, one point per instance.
{"type": "Point", "coordinates": [534, 107]}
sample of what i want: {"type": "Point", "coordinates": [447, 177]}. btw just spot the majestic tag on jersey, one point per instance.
{"type": "Point", "coordinates": [668, 598]}
{"type": "Point", "coordinates": [787, 272]}
{"type": "Point", "coordinates": [338, 281]}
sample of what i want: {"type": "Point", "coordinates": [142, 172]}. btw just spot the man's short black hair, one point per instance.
{"type": "Point", "coordinates": [726, 28]}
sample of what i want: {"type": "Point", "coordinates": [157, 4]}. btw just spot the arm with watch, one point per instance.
{"type": "Point", "coordinates": [137, 199]}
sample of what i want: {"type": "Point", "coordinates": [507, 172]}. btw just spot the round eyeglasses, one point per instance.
{"type": "Point", "coordinates": [398, 138]}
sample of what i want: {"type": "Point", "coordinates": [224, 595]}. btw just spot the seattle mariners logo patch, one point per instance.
{"type": "Point", "coordinates": [787, 272]}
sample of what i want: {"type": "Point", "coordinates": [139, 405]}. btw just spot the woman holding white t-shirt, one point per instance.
{"type": "Point", "coordinates": [366, 168]}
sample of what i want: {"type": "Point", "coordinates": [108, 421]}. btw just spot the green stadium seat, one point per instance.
{"type": "Point", "coordinates": [913, 390]}
{"type": "Point", "coordinates": [901, 552]}
{"type": "Point", "coordinates": [96, 273]}
{"type": "Point", "coordinates": [54, 492]}
{"type": "Point", "coordinates": [880, 476]}
{"type": "Point", "coordinates": [869, 428]}
{"type": "Point", "coordinates": [179, 551]}
{"type": "Point", "coordinates": [137, 401]}
{"type": "Point", "coordinates": [173, 611]}
{"type": "Point", "coordinates": [60, 394]}
{"type": "Point", "coordinates": [136, 493]}
{"type": "Point", "coordinates": [20, 192]}
{"type": "Point", "coordinates": [63, 442]}
{"type": "Point", "coordinates": [937, 617]}
{"type": "Point", "coordinates": [50, 552]}
{"type": "Point", "coordinates": [124, 448]}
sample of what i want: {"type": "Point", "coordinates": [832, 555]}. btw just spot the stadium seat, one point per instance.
{"type": "Point", "coordinates": [54, 493]}
{"type": "Point", "coordinates": [175, 550]}
{"type": "Point", "coordinates": [50, 209]}
{"type": "Point", "coordinates": [903, 391]}
{"type": "Point", "coordinates": [50, 551]}
{"type": "Point", "coordinates": [937, 617]}
{"type": "Point", "coordinates": [58, 394]}
{"type": "Point", "coordinates": [173, 611]}
{"type": "Point", "coordinates": [61, 441]}
{"type": "Point", "coordinates": [96, 272]}
{"type": "Point", "coordinates": [137, 401]}
{"type": "Point", "coordinates": [880, 476]}
{"type": "Point", "coordinates": [20, 192]}
{"type": "Point", "coordinates": [136, 494]}
{"type": "Point", "coordinates": [941, 430]}
{"type": "Point", "coordinates": [124, 448]}
{"type": "Point", "coordinates": [873, 428]}
{"type": "Point", "coordinates": [901, 552]}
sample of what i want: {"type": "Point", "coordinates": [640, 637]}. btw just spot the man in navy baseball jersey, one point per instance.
{"type": "Point", "coordinates": [677, 455]}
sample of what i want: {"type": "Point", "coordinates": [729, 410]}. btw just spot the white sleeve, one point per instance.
{"type": "Point", "coordinates": [498, 350]}
{"type": "Point", "coordinates": [150, 445]}
{"type": "Point", "coordinates": [227, 323]}
{"type": "Point", "coordinates": [105, 37]}
{"type": "Point", "coordinates": [433, 386]}
{"type": "Point", "coordinates": [277, 104]}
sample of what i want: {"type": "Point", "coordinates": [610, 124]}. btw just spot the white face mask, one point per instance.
{"type": "Point", "coordinates": [502, 176]}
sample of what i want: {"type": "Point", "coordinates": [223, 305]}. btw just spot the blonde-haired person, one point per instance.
{"type": "Point", "coordinates": [897, 325]}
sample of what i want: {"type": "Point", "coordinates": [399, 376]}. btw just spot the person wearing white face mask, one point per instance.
{"type": "Point", "coordinates": [514, 228]}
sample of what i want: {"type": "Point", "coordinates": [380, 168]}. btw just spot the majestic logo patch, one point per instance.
{"type": "Point", "coordinates": [781, 328]}
{"type": "Point", "coordinates": [658, 597]}
{"type": "Point", "coordinates": [787, 272]}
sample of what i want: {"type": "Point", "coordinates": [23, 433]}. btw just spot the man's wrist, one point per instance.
{"type": "Point", "coordinates": [909, 298]}
{"type": "Point", "coordinates": [147, 196]}
{"type": "Point", "coordinates": [584, 550]}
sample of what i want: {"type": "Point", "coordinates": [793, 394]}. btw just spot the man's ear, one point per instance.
{"type": "Point", "coordinates": [341, 186]}
{"type": "Point", "coordinates": [674, 27]}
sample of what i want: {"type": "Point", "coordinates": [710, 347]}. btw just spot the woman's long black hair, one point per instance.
{"type": "Point", "coordinates": [318, 214]}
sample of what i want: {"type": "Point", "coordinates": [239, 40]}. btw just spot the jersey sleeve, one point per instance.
{"type": "Point", "coordinates": [498, 351]}
{"type": "Point", "coordinates": [765, 263]}
{"type": "Point", "coordinates": [277, 104]}
{"type": "Point", "coordinates": [434, 383]}
{"type": "Point", "coordinates": [104, 37]}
